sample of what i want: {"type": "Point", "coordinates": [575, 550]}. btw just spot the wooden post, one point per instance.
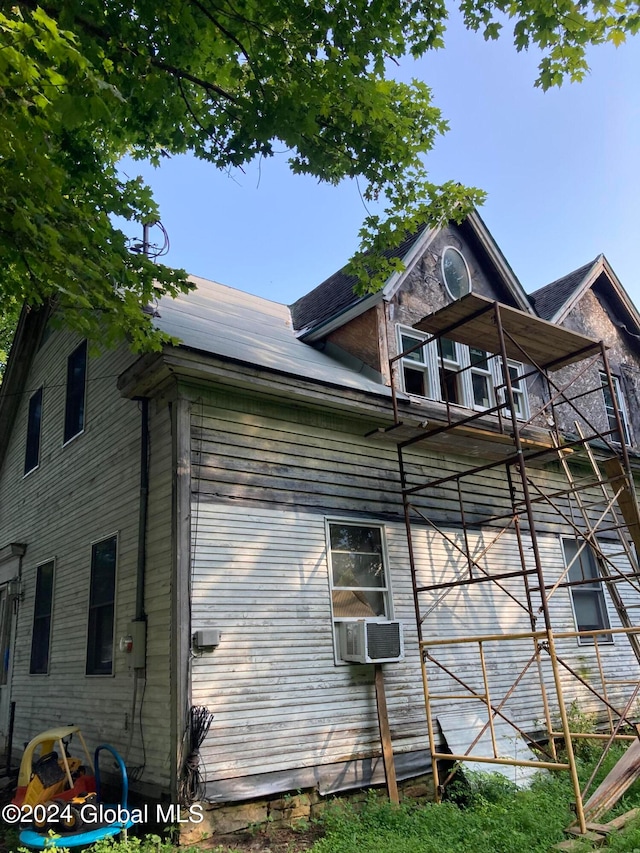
{"type": "Point", "coordinates": [385, 737]}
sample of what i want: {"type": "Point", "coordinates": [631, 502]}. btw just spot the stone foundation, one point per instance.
{"type": "Point", "coordinates": [290, 810]}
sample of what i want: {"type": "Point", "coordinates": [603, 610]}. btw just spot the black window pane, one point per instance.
{"type": "Point", "coordinates": [101, 607]}
{"type": "Point", "coordinates": [42, 620]}
{"type": "Point", "coordinates": [103, 572]}
{"type": "Point", "coordinates": [32, 453]}
{"type": "Point", "coordinates": [76, 378]}
{"type": "Point", "coordinates": [414, 382]}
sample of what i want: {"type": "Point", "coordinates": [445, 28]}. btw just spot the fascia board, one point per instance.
{"type": "Point", "coordinates": [621, 293]}
{"type": "Point", "coordinates": [497, 258]}
{"type": "Point", "coordinates": [341, 319]}
{"type": "Point", "coordinates": [562, 313]}
{"type": "Point", "coordinates": [185, 365]}
{"type": "Point", "coordinates": [396, 279]}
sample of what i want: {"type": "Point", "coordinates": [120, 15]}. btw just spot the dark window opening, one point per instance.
{"type": "Point", "coordinates": [74, 413]}
{"type": "Point", "coordinates": [34, 422]}
{"type": "Point", "coordinates": [41, 637]}
{"type": "Point", "coordinates": [414, 382]}
{"type": "Point", "coordinates": [101, 607]}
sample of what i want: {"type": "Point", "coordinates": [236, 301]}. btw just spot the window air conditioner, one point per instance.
{"type": "Point", "coordinates": [370, 641]}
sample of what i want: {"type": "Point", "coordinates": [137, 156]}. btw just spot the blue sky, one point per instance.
{"type": "Point", "coordinates": [560, 169]}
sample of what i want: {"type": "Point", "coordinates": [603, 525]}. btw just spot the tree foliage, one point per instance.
{"type": "Point", "coordinates": [85, 81]}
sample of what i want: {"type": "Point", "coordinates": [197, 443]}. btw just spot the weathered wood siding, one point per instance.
{"type": "Point", "coordinates": [265, 478]}
{"type": "Point", "coordinates": [81, 493]}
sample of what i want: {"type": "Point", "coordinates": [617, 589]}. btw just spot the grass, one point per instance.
{"type": "Point", "coordinates": [485, 814]}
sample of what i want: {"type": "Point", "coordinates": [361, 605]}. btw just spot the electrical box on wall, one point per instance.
{"type": "Point", "coordinates": [139, 637]}
{"type": "Point", "coordinates": [206, 638]}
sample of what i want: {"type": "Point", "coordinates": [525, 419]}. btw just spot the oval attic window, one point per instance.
{"type": "Point", "coordinates": [455, 273]}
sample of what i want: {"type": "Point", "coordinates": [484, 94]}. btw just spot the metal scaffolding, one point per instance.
{"type": "Point", "coordinates": [557, 462]}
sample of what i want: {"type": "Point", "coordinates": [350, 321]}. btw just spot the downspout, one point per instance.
{"type": "Point", "coordinates": [144, 509]}
{"type": "Point", "coordinates": [139, 623]}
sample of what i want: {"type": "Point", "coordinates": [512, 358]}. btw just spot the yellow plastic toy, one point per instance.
{"type": "Point", "coordinates": [46, 771]}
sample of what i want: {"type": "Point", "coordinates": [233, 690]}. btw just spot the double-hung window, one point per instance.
{"type": "Point", "coordinates": [518, 386]}
{"type": "Point", "coordinates": [587, 597]}
{"type": "Point", "coordinates": [101, 607]}
{"type": "Point", "coordinates": [42, 609]}
{"type": "Point", "coordinates": [450, 363]}
{"type": "Point", "coordinates": [416, 366]}
{"type": "Point", "coordinates": [610, 410]}
{"type": "Point", "coordinates": [74, 410]}
{"type": "Point", "coordinates": [459, 374]}
{"type": "Point", "coordinates": [482, 385]}
{"type": "Point", "coordinates": [358, 571]}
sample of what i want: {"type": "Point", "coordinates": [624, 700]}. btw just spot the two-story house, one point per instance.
{"type": "Point", "coordinates": [215, 525]}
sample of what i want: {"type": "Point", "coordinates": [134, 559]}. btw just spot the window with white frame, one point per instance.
{"type": "Point", "coordinates": [450, 363]}
{"type": "Point", "coordinates": [416, 367]}
{"type": "Point", "coordinates": [587, 597]}
{"type": "Point", "coordinates": [358, 570]}
{"type": "Point", "coordinates": [459, 374]}
{"type": "Point", "coordinates": [610, 410]}
{"type": "Point", "coordinates": [482, 385]}
{"type": "Point", "coordinates": [518, 386]}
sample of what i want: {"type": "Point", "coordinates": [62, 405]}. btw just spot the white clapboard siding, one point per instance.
{"type": "Point", "coordinates": [278, 698]}
{"type": "Point", "coordinates": [265, 479]}
{"type": "Point", "coordinates": [81, 493]}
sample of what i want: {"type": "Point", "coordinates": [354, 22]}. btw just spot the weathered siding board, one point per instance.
{"type": "Point", "coordinates": [265, 479]}
{"type": "Point", "coordinates": [267, 456]}
{"type": "Point", "coordinates": [278, 698]}
{"type": "Point", "coordinates": [80, 493]}
{"type": "Point", "coordinates": [273, 683]}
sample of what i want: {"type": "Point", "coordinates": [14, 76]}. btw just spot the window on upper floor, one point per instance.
{"type": "Point", "coordinates": [102, 607]}
{"type": "Point", "coordinates": [34, 422]}
{"type": "Point", "coordinates": [42, 609]}
{"type": "Point", "coordinates": [587, 597]}
{"type": "Point", "coordinates": [74, 411]}
{"type": "Point", "coordinates": [458, 374]}
{"type": "Point", "coordinates": [610, 410]}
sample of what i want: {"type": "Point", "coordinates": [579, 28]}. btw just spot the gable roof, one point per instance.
{"type": "Point", "coordinates": [549, 300]}
{"type": "Point", "coordinates": [336, 293]}
{"type": "Point", "coordinates": [333, 302]}
{"type": "Point", "coordinates": [555, 301]}
{"type": "Point", "coordinates": [221, 321]}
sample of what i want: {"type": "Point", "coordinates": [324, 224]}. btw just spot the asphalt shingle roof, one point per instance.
{"type": "Point", "coordinates": [336, 293]}
{"type": "Point", "coordinates": [549, 299]}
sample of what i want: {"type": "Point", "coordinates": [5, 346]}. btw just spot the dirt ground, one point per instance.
{"type": "Point", "coordinates": [266, 840]}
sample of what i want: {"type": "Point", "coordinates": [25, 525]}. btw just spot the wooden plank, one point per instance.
{"type": "Point", "coordinates": [627, 500]}
{"type": "Point", "coordinates": [614, 785]}
{"type": "Point", "coordinates": [544, 342]}
{"type": "Point", "coordinates": [385, 736]}
{"type": "Point", "coordinates": [623, 819]}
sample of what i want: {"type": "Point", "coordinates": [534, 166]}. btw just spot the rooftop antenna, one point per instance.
{"type": "Point", "coordinates": [146, 247]}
